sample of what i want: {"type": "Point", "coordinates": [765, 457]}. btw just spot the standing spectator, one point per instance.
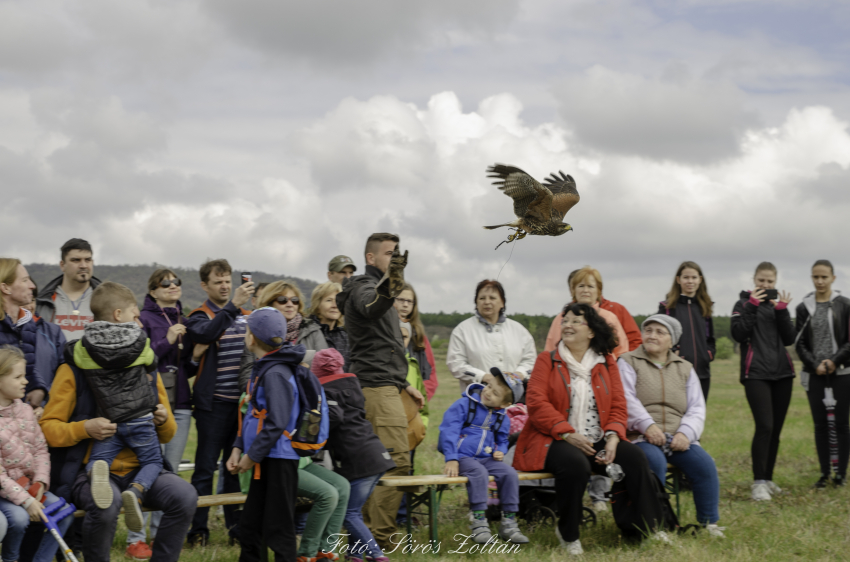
{"type": "Point", "coordinates": [419, 348]}
{"type": "Point", "coordinates": [577, 408]}
{"type": "Point", "coordinates": [667, 414]}
{"type": "Point", "coordinates": [763, 328]}
{"type": "Point", "coordinates": [489, 339]}
{"type": "Point", "coordinates": [824, 348]}
{"type": "Point", "coordinates": [66, 300]}
{"type": "Point", "coordinates": [326, 319]}
{"type": "Point", "coordinates": [219, 323]}
{"type": "Point", "coordinates": [377, 358]}
{"type": "Point", "coordinates": [341, 268]}
{"type": "Point", "coordinates": [49, 346]}
{"type": "Point", "coordinates": [586, 288]}
{"type": "Point", "coordinates": [255, 298]}
{"type": "Point", "coordinates": [689, 303]}
{"type": "Point", "coordinates": [17, 327]}
{"type": "Point", "coordinates": [163, 321]}
{"type": "Point", "coordinates": [358, 454]}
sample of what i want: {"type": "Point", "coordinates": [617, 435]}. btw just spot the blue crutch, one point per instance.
{"type": "Point", "coordinates": [52, 515]}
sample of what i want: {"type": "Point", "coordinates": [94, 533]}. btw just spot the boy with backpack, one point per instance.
{"type": "Point", "coordinates": [474, 440]}
{"type": "Point", "coordinates": [287, 419]}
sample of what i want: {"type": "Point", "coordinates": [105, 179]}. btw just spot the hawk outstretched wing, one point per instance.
{"type": "Point", "coordinates": [530, 197]}
{"type": "Point", "coordinates": [564, 192]}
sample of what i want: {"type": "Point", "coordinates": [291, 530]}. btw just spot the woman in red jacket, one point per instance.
{"type": "Point", "coordinates": [576, 408]}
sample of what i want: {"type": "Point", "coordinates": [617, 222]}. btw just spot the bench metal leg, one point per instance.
{"type": "Point", "coordinates": [433, 509]}
{"type": "Point", "coordinates": [676, 491]}
{"type": "Point", "coordinates": [408, 502]}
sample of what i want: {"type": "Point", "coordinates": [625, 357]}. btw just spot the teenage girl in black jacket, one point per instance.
{"type": "Point", "coordinates": [763, 328]}
{"type": "Point", "coordinates": [689, 303]}
{"type": "Point", "coordinates": [823, 320]}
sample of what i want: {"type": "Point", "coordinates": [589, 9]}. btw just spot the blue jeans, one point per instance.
{"type": "Point", "coordinates": [173, 453]}
{"type": "Point", "coordinates": [361, 489]}
{"type": "Point", "coordinates": [18, 520]}
{"type": "Point", "coordinates": [699, 467]}
{"type": "Point", "coordinates": [139, 435]}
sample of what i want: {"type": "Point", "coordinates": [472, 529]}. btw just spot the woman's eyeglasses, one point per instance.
{"type": "Point", "coordinates": [284, 300]}
{"type": "Point", "coordinates": [404, 301]}
{"type": "Point", "coordinates": [166, 283]}
{"type": "Point", "coordinates": [575, 322]}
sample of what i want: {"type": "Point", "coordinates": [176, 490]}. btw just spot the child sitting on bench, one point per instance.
{"type": "Point", "coordinates": [474, 440]}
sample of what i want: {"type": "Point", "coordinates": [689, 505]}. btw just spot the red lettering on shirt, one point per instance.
{"type": "Point", "coordinates": [72, 322]}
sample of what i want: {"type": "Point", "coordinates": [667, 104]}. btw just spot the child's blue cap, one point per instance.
{"type": "Point", "coordinates": [266, 324]}
{"type": "Point", "coordinates": [513, 381]}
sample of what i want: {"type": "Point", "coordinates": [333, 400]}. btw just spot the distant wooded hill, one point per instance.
{"type": "Point", "coordinates": [136, 278]}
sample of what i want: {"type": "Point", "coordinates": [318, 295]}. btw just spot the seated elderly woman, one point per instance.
{"type": "Point", "coordinates": [576, 408]}
{"type": "Point", "coordinates": [667, 413]}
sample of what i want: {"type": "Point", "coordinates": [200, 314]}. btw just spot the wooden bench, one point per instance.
{"type": "Point", "coordinates": [427, 491]}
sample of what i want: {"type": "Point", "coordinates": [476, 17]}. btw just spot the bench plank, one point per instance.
{"type": "Point", "coordinates": [439, 479]}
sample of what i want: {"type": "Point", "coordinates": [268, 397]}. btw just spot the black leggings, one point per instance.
{"type": "Point", "coordinates": [705, 384]}
{"type": "Point", "coordinates": [769, 402]}
{"type": "Point", "coordinates": [841, 391]}
{"type": "Point", "coordinates": [572, 468]}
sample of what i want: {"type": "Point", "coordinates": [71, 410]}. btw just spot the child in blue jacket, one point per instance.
{"type": "Point", "coordinates": [269, 512]}
{"type": "Point", "coordinates": [474, 440]}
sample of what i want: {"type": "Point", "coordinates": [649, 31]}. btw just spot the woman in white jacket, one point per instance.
{"type": "Point", "coordinates": [489, 339]}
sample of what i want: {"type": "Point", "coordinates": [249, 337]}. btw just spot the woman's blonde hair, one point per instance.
{"type": "Point", "coordinates": [9, 357]}
{"type": "Point", "coordinates": [320, 293]}
{"type": "Point", "coordinates": [583, 274]}
{"type": "Point", "coordinates": [276, 289]}
{"type": "Point", "coordinates": [8, 274]}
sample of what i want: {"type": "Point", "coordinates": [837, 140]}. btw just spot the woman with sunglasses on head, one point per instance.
{"type": "Point", "coordinates": [163, 321]}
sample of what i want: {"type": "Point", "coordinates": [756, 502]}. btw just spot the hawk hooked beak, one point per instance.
{"type": "Point", "coordinates": [566, 227]}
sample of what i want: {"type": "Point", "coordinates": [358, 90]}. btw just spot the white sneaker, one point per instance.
{"type": "Point", "coordinates": [761, 492]}
{"type": "Point", "coordinates": [662, 537]}
{"type": "Point", "coordinates": [715, 531]}
{"type": "Point", "coordinates": [773, 488]}
{"type": "Point", "coordinates": [573, 548]}
{"type": "Point", "coordinates": [600, 507]}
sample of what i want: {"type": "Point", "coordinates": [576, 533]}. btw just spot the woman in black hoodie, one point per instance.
{"type": "Point", "coordinates": [689, 303]}
{"type": "Point", "coordinates": [763, 328]}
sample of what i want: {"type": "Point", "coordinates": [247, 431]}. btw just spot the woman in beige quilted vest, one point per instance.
{"type": "Point", "coordinates": [667, 413]}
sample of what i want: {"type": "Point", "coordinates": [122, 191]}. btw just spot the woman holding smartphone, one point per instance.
{"type": "Point", "coordinates": [823, 346]}
{"type": "Point", "coordinates": [761, 323]}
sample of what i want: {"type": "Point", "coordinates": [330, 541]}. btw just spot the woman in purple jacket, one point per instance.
{"type": "Point", "coordinates": [162, 319]}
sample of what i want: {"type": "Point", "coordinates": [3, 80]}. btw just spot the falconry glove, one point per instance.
{"type": "Point", "coordinates": [395, 274]}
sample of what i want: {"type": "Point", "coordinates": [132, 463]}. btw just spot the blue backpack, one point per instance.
{"type": "Point", "coordinates": [312, 426]}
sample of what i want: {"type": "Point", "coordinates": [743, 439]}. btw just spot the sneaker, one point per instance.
{"type": "Point", "coordinates": [773, 488]}
{"type": "Point", "coordinates": [509, 531]}
{"type": "Point", "coordinates": [101, 487]}
{"type": "Point", "coordinates": [138, 551]}
{"type": "Point", "coordinates": [480, 531]}
{"type": "Point", "coordinates": [839, 481]}
{"type": "Point", "coordinates": [197, 540]}
{"type": "Point", "coordinates": [662, 537]}
{"type": "Point", "coordinates": [133, 516]}
{"type": "Point", "coordinates": [573, 548]}
{"type": "Point", "coordinates": [322, 555]}
{"type": "Point", "coordinates": [715, 531]}
{"type": "Point", "coordinates": [600, 507]}
{"type": "Point", "coordinates": [821, 483]}
{"type": "Point", "coordinates": [761, 493]}
{"type": "Point", "coordinates": [305, 559]}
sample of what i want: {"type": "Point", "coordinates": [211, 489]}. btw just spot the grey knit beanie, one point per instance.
{"type": "Point", "coordinates": [673, 326]}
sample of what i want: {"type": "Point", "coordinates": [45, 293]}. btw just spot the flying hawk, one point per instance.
{"type": "Point", "coordinates": [539, 208]}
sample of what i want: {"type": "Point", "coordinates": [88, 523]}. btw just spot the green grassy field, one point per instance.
{"type": "Point", "coordinates": [800, 524]}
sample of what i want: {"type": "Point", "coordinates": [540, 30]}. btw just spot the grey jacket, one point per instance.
{"type": "Point", "coordinates": [44, 307]}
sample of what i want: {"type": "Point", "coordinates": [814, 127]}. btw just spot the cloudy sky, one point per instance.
{"type": "Point", "coordinates": [279, 133]}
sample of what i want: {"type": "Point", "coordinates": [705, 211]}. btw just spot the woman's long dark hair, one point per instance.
{"type": "Point", "coordinates": [604, 339]}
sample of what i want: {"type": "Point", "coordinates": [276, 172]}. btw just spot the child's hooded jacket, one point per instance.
{"type": "Point", "coordinates": [23, 452]}
{"type": "Point", "coordinates": [487, 433]}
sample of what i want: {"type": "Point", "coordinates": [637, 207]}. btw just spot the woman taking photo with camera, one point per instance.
{"type": "Point", "coordinates": [823, 319]}
{"type": "Point", "coordinates": [761, 323]}
{"type": "Point", "coordinates": [689, 303]}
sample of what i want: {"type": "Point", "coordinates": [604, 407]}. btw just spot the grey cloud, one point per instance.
{"type": "Point", "coordinates": [675, 117]}
{"type": "Point", "coordinates": [339, 33]}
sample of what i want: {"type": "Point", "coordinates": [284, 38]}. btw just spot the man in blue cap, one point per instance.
{"type": "Point", "coordinates": [269, 512]}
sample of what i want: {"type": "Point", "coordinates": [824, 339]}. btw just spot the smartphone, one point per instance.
{"type": "Point", "coordinates": [771, 294]}
{"type": "Point", "coordinates": [246, 277]}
